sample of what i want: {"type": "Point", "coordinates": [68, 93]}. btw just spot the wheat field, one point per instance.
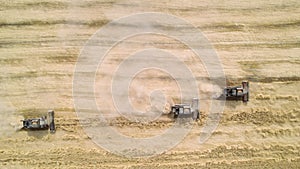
{"type": "Point", "coordinates": [258, 41]}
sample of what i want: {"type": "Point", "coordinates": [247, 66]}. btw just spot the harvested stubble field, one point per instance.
{"type": "Point", "coordinates": [258, 41]}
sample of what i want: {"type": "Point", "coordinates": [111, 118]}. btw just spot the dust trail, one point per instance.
{"type": "Point", "coordinates": [8, 122]}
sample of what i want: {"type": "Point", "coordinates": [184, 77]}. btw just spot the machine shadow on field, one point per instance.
{"type": "Point", "coordinates": [38, 134]}
{"type": "Point", "coordinates": [234, 103]}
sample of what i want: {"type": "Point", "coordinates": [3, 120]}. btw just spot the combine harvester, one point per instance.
{"type": "Point", "coordinates": [236, 92]}
{"type": "Point", "coordinates": [186, 110]}
{"type": "Point", "coordinates": [42, 123]}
